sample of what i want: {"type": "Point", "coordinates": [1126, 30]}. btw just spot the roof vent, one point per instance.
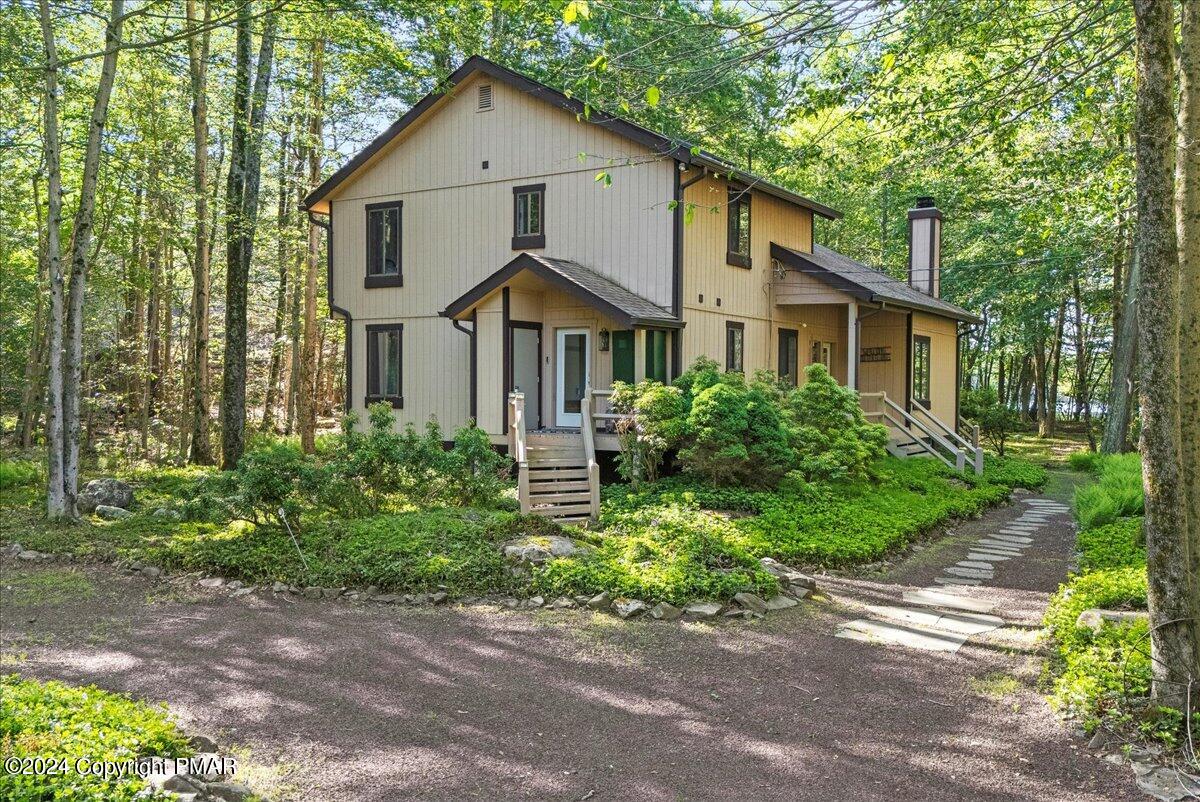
{"type": "Point", "coordinates": [485, 97]}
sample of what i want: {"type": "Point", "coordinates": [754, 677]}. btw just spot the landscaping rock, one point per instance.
{"type": "Point", "coordinates": [110, 513]}
{"type": "Point", "coordinates": [386, 598]}
{"type": "Point", "coordinates": [151, 572]}
{"type": "Point", "coordinates": [234, 584]}
{"type": "Point", "coordinates": [241, 592]}
{"type": "Point", "coordinates": [536, 550]}
{"type": "Point", "coordinates": [629, 608]}
{"type": "Point", "coordinates": [751, 601]}
{"type": "Point", "coordinates": [781, 602]}
{"type": "Point", "coordinates": [600, 601]}
{"type": "Point", "coordinates": [700, 611]}
{"type": "Point", "coordinates": [800, 591]}
{"type": "Point", "coordinates": [535, 602]}
{"type": "Point", "coordinates": [105, 492]}
{"type": "Point", "coordinates": [202, 743]}
{"type": "Point", "coordinates": [665, 612]}
{"type": "Point", "coordinates": [1168, 784]}
{"type": "Point", "coordinates": [181, 783]}
{"type": "Point", "coordinates": [582, 601]}
{"type": "Point", "coordinates": [29, 555]}
{"type": "Point", "coordinates": [787, 574]}
{"type": "Point", "coordinates": [372, 590]}
{"type": "Point", "coordinates": [212, 582]}
{"type": "Point", "coordinates": [311, 592]}
{"type": "Point", "coordinates": [228, 792]}
{"type": "Point", "coordinates": [164, 514]}
{"type": "Point", "coordinates": [281, 587]}
{"type": "Point", "coordinates": [332, 593]}
{"type": "Point", "coordinates": [13, 549]}
{"type": "Point", "coordinates": [209, 759]}
{"type": "Point", "coordinates": [439, 597]}
{"type": "Point", "coordinates": [1094, 619]}
{"type": "Point", "coordinates": [561, 603]}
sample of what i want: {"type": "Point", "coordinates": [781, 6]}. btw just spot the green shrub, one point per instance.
{"type": "Point", "coordinates": [1117, 491]}
{"type": "Point", "coordinates": [476, 471]}
{"type": "Point", "coordinates": [996, 421]}
{"type": "Point", "coordinates": [666, 553]}
{"type": "Point", "coordinates": [268, 479]}
{"type": "Point", "coordinates": [657, 425]}
{"type": "Point", "coordinates": [19, 472]}
{"type": "Point", "coordinates": [58, 722]}
{"type": "Point", "coordinates": [1119, 544]}
{"type": "Point", "coordinates": [702, 374]}
{"type": "Point", "coordinates": [736, 435]}
{"type": "Point", "coordinates": [1086, 461]}
{"type": "Point", "coordinates": [1012, 472]}
{"type": "Point", "coordinates": [831, 438]}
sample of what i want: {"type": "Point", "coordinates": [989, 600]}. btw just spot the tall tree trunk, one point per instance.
{"type": "Point", "coordinates": [31, 390]}
{"type": "Point", "coordinates": [283, 230]}
{"type": "Point", "coordinates": [1124, 359]}
{"type": "Point", "coordinates": [199, 400]}
{"type": "Point", "coordinates": [241, 214]}
{"type": "Point", "coordinates": [1040, 384]}
{"type": "Point", "coordinates": [82, 241]}
{"type": "Point", "coordinates": [1082, 394]}
{"type": "Point", "coordinates": [1168, 559]}
{"type": "Point", "coordinates": [308, 362]}
{"type": "Point", "coordinates": [1051, 419]}
{"type": "Point", "coordinates": [1187, 211]}
{"type": "Point", "coordinates": [56, 499]}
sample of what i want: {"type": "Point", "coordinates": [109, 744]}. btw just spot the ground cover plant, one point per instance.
{"type": "Point", "coordinates": [1103, 676]}
{"type": "Point", "coordinates": [53, 721]}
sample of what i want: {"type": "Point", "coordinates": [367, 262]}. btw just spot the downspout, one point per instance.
{"type": "Point", "coordinates": [858, 341]}
{"type": "Point", "coordinates": [677, 263]}
{"type": "Point", "coordinates": [334, 309]}
{"type": "Point", "coordinates": [470, 333]}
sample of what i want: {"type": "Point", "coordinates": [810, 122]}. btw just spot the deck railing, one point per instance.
{"type": "Point", "coordinates": [588, 430]}
{"type": "Point", "coordinates": [517, 448]}
{"type": "Point", "coordinates": [932, 435]}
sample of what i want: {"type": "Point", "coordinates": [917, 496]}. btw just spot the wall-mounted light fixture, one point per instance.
{"type": "Point", "coordinates": [604, 339]}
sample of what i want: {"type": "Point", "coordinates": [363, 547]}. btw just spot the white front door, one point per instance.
{"type": "Point", "coordinates": [572, 358]}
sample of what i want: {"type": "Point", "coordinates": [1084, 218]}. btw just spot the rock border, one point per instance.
{"type": "Point", "coordinates": [1154, 776]}
{"type": "Point", "coordinates": [200, 787]}
{"type": "Point", "coordinates": [797, 586]}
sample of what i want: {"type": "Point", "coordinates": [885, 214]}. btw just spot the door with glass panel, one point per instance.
{"type": "Point", "coordinates": [572, 368]}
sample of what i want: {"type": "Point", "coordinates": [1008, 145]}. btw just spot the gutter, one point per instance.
{"type": "Point", "coordinates": [334, 309]}
{"type": "Point", "coordinates": [677, 261]}
{"type": "Point", "coordinates": [474, 364]}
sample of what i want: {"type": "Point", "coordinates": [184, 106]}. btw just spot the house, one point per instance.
{"type": "Point", "coordinates": [497, 252]}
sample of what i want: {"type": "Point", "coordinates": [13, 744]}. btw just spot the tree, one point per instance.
{"type": "Point", "coordinates": [200, 403]}
{"type": "Point", "coordinates": [307, 399]}
{"type": "Point", "coordinates": [1168, 556]}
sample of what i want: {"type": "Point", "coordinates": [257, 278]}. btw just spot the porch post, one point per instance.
{"type": "Point", "coordinates": [852, 345]}
{"type": "Point", "coordinates": [639, 355]}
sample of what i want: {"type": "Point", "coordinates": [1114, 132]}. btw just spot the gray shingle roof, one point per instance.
{"type": "Point", "coordinates": [863, 282]}
{"type": "Point", "coordinates": [599, 291]}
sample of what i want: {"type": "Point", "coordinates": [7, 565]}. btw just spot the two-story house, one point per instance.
{"type": "Point", "coordinates": [497, 239]}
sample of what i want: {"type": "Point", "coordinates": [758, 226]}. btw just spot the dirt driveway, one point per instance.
{"type": "Point", "coordinates": [331, 701]}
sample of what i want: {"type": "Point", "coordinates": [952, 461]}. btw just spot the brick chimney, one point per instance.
{"type": "Point", "coordinates": [925, 247]}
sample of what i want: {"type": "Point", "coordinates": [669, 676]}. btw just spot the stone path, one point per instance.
{"type": "Point", "coordinates": [939, 618]}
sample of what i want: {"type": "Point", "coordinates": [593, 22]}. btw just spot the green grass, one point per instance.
{"type": "Point", "coordinates": [19, 473]}
{"type": "Point", "coordinates": [51, 586]}
{"type": "Point", "coordinates": [1094, 674]}
{"type": "Point", "coordinates": [1054, 450]}
{"type": "Point", "coordinates": [56, 721]}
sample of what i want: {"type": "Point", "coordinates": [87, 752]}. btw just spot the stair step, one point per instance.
{"type": "Point", "coordinates": [555, 451]}
{"type": "Point", "coordinates": [544, 474]}
{"type": "Point", "coordinates": [556, 510]}
{"type": "Point", "coordinates": [574, 519]}
{"type": "Point", "coordinates": [558, 462]}
{"type": "Point", "coordinates": [559, 498]}
{"type": "Point", "coordinates": [542, 486]}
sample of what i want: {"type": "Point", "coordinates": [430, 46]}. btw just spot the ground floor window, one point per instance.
{"type": "Point", "coordinates": [735, 346]}
{"type": "Point", "coordinates": [789, 356]}
{"type": "Point", "coordinates": [656, 355]}
{"type": "Point", "coordinates": [822, 352]}
{"type": "Point", "coordinates": [920, 367]}
{"type": "Point", "coordinates": [384, 364]}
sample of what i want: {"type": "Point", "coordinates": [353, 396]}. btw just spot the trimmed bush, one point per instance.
{"type": "Point", "coordinates": [829, 435]}
{"type": "Point", "coordinates": [657, 425]}
{"type": "Point", "coordinates": [736, 435]}
{"type": "Point", "coordinates": [53, 721]}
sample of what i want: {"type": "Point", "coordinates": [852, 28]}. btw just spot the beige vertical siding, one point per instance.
{"type": "Point", "coordinates": [942, 334]}
{"type": "Point", "coordinates": [457, 225]}
{"type": "Point", "coordinates": [886, 329]}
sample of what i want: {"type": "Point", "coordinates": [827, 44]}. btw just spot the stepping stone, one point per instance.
{"type": "Point", "coordinates": [939, 597]}
{"type": "Point", "coordinates": [986, 556]}
{"type": "Point", "coordinates": [974, 564]}
{"type": "Point", "coordinates": [1022, 528]}
{"type": "Point", "coordinates": [896, 634]}
{"type": "Point", "coordinates": [961, 622]}
{"type": "Point", "coordinates": [1018, 539]}
{"type": "Point", "coordinates": [969, 623]}
{"type": "Point", "coordinates": [956, 580]}
{"type": "Point", "coordinates": [969, 573]}
{"type": "Point", "coordinates": [1006, 548]}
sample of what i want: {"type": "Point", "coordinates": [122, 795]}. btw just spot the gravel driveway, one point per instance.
{"type": "Point", "coordinates": [340, 702]}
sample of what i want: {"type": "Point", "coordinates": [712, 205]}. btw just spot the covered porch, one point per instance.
{"type": "Point", "coordinates": [549, 329]}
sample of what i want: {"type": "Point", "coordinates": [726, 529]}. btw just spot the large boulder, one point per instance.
{"type": "Point", "coordinates": [106, 492]}
{"type": "Point", "coordinates": [536, 550]}
{"type": "Point", "coordinates": [786, 574]}
{"type": "Point", "coordinates": [111, 513]}
{"type": "Point", "coordinates": [1094, 618]}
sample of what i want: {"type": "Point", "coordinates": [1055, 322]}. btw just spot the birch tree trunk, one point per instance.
{"type": "Point", "coordinates": [31, 390]}
{"type": "Point", "coordinates": [1124, 358]}
{"type": "Point", "coordinates": [82, 241]}
{"type": "Point", "coordinates": [199, 400]}
{"type": "Point", "coordinates": [307, 399]}
{"type": "Point", "coordinates": [283, 222]}
{"type": "Point", "coordinates": [1168, 558]}
{"type": "Point", "coordinates": [56, 500]}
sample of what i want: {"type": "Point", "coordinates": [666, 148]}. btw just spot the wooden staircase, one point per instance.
{"type": "Point", "coordinates": [916, 432]}
{"type": "Point", "coordinates": [557, 473]}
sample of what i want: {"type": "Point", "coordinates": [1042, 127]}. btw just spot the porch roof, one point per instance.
{"type": "Point", "coordinates": [865, 283]}
{"type": "Point", "coordinates": [620, 304]}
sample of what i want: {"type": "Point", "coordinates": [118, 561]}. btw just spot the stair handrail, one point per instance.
{"type": "Point", "coordinates": [517, 448]}
{"type": "Point", "coordinates": [972, 448]}
{"type": "Point", "coordinates": [935, 420]}
{"type": "Point", "coordinates": [960, 458]}
{"type": "Point", "coordinates": [900, 425]}
{"type": "Point", "coordinates": [588, 430]}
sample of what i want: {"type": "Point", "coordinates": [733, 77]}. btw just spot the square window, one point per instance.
{"type": "Point", "coordinates": [920, 370]}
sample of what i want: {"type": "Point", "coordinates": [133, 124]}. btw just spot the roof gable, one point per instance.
{"type": "Point", "coordinates": [658, 143]}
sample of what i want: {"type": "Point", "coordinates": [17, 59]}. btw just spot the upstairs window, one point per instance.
{"type": "Point", "coordinates": [384, 363]}
{"type": "Point", "coordinates": [383, 245]}
{"type": "Point", "coordinates": [920, 369]}
{"type": "Point", "coordinates": [738, 247]}
{"type": "Point", "coordinates": [529, 217]}
{"type": "Point", "coordinates": [735, 346]}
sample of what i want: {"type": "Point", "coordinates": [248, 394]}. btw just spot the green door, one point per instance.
{"type": "Point", "coordinates": [622, 356]}
{"type": "Point", "coordinates": [656, 355]}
